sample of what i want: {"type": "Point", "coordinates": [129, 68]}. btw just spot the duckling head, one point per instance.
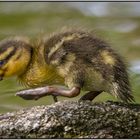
{"type": "Point", "coordinates": [15, 55]}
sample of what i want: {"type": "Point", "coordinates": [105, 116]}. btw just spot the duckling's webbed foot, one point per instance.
{"type": "Point", "coordinates": [36, 93]}
{"type": "Point", "coordinates": [90, 95]}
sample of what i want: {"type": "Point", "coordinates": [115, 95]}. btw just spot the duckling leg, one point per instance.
{"type": "Point", "coordinates": [34, 94]}
{"type": "Point", "coordinates": [90, 95]}
{"type": "Point", "coordinates": [75, 91]}
{"type": "Point", "coordinates": [55, 98]}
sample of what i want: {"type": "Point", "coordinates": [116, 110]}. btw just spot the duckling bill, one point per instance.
{"type": "Point", "coordinates": [79, 60]}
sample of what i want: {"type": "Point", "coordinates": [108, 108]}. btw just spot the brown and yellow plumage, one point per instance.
{"type": "Point", "coordinates": [74, 58]}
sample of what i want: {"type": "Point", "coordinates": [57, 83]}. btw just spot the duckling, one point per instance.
{"type": "Point", "coordinates": [77, 59]}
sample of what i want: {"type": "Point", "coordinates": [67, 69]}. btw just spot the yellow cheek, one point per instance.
{"type": "Point", "coordinates": [1, 72]}
{"type": "Point", "coordinates": [11, 70]}
{"type": "Point", "coordinates": [15, 68]}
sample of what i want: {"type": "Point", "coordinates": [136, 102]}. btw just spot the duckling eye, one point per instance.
{"type": "Point", "coordinates": [1, 62]}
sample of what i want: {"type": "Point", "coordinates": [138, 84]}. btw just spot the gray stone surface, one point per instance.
{"type": "Point", "coordinates": [73, 119]}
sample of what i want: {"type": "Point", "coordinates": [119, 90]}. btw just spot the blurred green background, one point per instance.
{"type": "Point", "coordinates": [117, 23]}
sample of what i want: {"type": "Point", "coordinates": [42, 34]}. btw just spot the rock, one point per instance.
{"type": "Point", "coordinates": [73, 119]}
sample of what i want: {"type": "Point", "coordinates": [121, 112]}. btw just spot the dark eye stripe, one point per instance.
{"type": "Point", "coordinates": [5, 60]}
{"type": "Point", "coordinates": [4, 45]}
